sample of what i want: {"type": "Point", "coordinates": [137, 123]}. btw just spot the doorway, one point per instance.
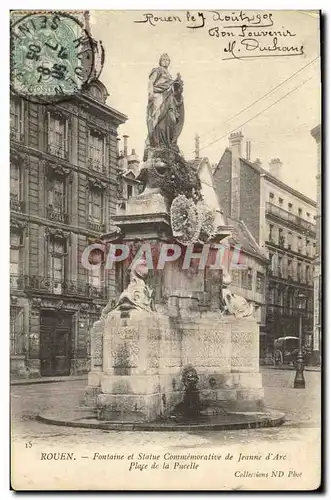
{"type": "Point", "coordinates": [55, 343]}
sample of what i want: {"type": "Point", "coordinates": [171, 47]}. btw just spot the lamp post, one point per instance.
{"type": "Point", "coordinates": [299, 381]}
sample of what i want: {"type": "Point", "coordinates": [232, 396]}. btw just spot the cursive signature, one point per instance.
{"type": "Point", "coordinates": [248, 46]}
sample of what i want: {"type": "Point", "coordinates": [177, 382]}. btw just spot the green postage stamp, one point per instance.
{"type": "Point", "coordinates": [51, 54]}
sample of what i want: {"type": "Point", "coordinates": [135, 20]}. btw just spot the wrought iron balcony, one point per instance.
{"type": "Point", "coordinates": [289, 217]}
{"type": "Point", "coordinates": [15, 204]}
{"type": "Point", "coordinates": [99, 227]}
{"type": "Point", "coordinates": [16, 135]}
{"type": "Point", "coordinates": [57, 150]}
{"type": "Point", "coordinates": [57, 287]}
{"type": "Point", "coordinates": [57, 215]}
{"type": "Point", "coordinates": [278, 310]}
{"type": "Point", "coordinates": [96, 165]}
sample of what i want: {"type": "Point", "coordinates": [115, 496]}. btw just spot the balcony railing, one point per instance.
{"type": "Point", "coordinates": [99, 227]}
{"type": "Point", "coordinates": [288, 216]}
{"type": "Point", "coordinates": [96, 165]}
{"type": "Point", "coordinates": [57, 215]}
{"type": "Point", "coordinates": [16, 135]}
{"type": "Point", "coordinates": [58, 151]}
{"type": "Point", "coordinates": [277, 310]}
{"type": "Point", "coordinates": [15, 204]}
{"type": "Point", "coordinates": [57, 287]}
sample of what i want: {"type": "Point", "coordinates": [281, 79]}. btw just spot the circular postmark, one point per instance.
{"type": "Point", "coordinates": [52, 55]}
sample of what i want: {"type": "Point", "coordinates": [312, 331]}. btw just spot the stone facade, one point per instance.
{"type": "Point", "coordinates": [63, 189]}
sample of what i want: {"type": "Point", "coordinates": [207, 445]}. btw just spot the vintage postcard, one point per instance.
{"type": "Point", "coordinates": [165, 229]}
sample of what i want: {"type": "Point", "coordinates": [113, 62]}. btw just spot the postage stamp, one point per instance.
{"type": "Point", "coordinates": [52, 54]}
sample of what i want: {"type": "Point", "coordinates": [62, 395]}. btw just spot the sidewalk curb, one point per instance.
{"type": "Point", "coordinates": [51, 380]}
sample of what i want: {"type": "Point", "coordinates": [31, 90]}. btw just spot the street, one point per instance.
{"type": "Point", "coordinates": [301, 407]}
{"type": "Point", "coordinates": [298, 439]}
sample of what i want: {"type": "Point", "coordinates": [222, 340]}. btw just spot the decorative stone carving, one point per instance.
{"type": "Point", "coordinates": [56, 232]}
{"type": "Point", "coordinates": [137, 295]}
{"type": "Point", "coordinates": [233, 304]}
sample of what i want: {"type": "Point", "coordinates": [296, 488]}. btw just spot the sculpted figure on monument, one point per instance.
{"type": "Point", "coordinates": [233, 304]}
{"type": "Point", "coordinates": [137, 295]}
{"type": "Point", "coordinates": [165, 108]}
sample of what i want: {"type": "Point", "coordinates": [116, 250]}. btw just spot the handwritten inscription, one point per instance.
{"type": "Point", "coordinates": [242, 35]}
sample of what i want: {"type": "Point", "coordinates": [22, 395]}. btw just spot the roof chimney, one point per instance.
{"type": "Point", "coordinates": [235, 141]}
{"type": "Point", "coordinates": [118, 140]}
{"type": "Point", "coordinates": [197, 147]}
{"type": "Point", "coordinates": [248, 150]}
{"type": "Point", "coordinates": [125, 137]}
{"type": "Point", "coordinates": [275, 167]}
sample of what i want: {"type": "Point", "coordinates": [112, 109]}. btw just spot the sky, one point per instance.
{"type": "Point", "coordinates": [215, 90]}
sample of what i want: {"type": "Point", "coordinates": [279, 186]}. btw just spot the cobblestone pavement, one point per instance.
{"type": "Point", "coordinates": [301, 406]}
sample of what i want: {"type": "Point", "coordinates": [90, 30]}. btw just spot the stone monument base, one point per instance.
{"type": "Point", "coordinates": [144, 357]}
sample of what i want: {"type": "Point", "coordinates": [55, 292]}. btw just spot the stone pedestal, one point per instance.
{"type": "Point", "coordinates": [144, 356]}
{"type": "Point", "coordinates": [141, 356]}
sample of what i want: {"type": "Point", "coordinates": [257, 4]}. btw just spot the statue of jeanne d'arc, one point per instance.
{"type": "Point", "coordinates": [165, 108]}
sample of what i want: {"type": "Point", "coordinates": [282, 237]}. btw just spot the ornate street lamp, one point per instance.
{"type": "Point", "coordinates": [299, 381]}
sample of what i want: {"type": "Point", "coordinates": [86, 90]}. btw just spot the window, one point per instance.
{"type": "Point", "coordinates": [271, 227]}
{"type": "Point", "coordinates": [299, 271]}
{"type": "Point", "coordinates": [260, 282]}
{"type": "Point", "coordinates": [281, 239]}
{"type": "Point", "coordinates": [290, 206]}
{"type": "Point", "coordinates": [280, 201]}
{"type": "Point", "coordinates": [280, 265]}
{"type": "Point", "coordinates": [307, 274]}
{"type": "Point", "coordinates": [271, 196]}
{"type": "Point", "coordinates": [308, 215]}
{"type": "Point", "coordinates": [15, 258]}
{"type": "Point", "coordinates": [308, 248]}
{"type": "Point", "coordinates": [16, 118]}
{"type": "Point", "coordinates": [96, 154]}
{"type": "Point", "coordinates": [57, 139]}
{"type": "Point", "coordinates": [56, 195]}
{"type": "Point", "coordinates": [16, 188]}
{"type": "Point", "coordinates": [16, 330]}
{"type": "Point", "coordinates": [95, 205]}
{"type": "Point", "coordinates": [95, 277]}
{"type": "Point", "coordinates": [289, 240]}
{"type": "Point", "coordinates": [57, 264]}
{"type": "Point", "coordinates": [247, 278]}
{"type": "Point", "coordinates": [289, 268]}
{"type": "Point", "coordinates": [300, 212]}
{"type": "Point", "coordinates": [130, 190]}
{"type": "Point", "coordinates": [271, 296]}
{"type": "Point", "coordinates": [299, 244]}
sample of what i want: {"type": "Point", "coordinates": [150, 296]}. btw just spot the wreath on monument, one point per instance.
{"type": "Point", "coordinates": [175, 176]}
{"type": "Point", "coordinates": [191, 222]}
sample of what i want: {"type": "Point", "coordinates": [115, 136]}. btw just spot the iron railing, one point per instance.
{"type": "Point", "coordinates": [96, 165]}
{"type": "Point", "coordinates": [99, 227]}
{"type": "Point", "coordinates": [57, 215]}
{"type": "Point", "coordinates": [15, 204]}
{"type": "Point", "coordinates": [57, 287]}
{"type": "Point", "coordinates": [288, 216]}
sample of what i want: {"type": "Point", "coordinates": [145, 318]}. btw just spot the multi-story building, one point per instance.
{"type": "Point", "coordinates": [128, 170]}
{"type": "Point", "coordinates": [63, 192]}
{"type": "Point", "coordinates": [282, 220]}
{"type": "Point", "coordinates": [246, 260]}
{"type": "Point", "coordinates": [316, 133]}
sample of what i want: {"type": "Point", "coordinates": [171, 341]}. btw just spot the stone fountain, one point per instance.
{"type": "Point", "coordinates": [191, 349]}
